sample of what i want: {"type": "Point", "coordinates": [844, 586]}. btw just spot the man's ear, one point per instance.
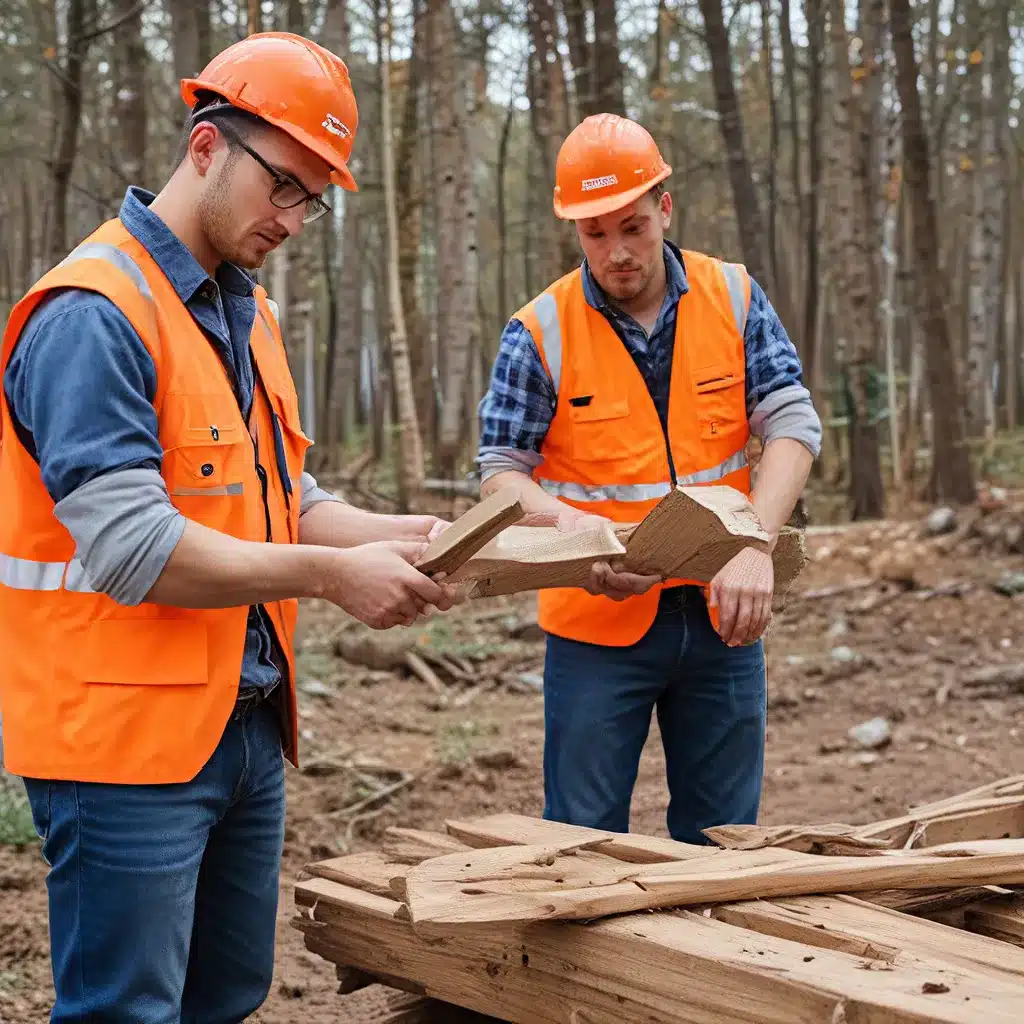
{"type": "Point", "coordinates": [202, 147]}
{"type": "Point", "coordinates": [666, 210]}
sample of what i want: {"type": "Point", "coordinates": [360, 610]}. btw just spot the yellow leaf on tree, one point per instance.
{"type": "Point", "coordinates": [975, 57]}
{"type": "Point", "coordinates": [966, 163]}
{"type": "Point", "coordinates": [858, 73]}
{"type": "Point", "coordinates": [50, 52]}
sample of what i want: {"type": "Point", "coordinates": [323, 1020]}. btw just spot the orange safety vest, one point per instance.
{"type": "Point", "coordinates": [605, 451]}
{"type": "Point", "coordinates": [95, 691]}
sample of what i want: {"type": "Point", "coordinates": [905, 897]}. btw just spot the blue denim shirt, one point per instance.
{"type": "Point", "coordinates": [80, 384]}
{"type": "Point", "coordinates": [518, 407]}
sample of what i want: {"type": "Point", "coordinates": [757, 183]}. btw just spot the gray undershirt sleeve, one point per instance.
{"type": "Point", "coordinates": [125, 528]}
{"type": "Point", "coordinates": [788, 412]}
{"type": "Point", "coordinates": [313, 494]}
{"type": "Point", "coordinates": [500, 460]}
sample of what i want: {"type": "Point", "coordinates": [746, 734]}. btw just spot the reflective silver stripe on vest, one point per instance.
{"type": "Point", "coordinates": [114, 256]}
{"type": "Point", "coordinates": [735, 462]}
{"type": "Point", "coordinates": [734, 282]}
{"type": "Point", "coordinates": [27, 574]}
{"type": "Point", "coordinates": [207, 491]}
{"type": "Point", "coordinates": [609, 492]}
{"type": "Point", "coordinates": [76, 580]}
{"type": "Point", "coordinates": [642, 492]}
{"type": "Point", "coordinates": [546, 310]}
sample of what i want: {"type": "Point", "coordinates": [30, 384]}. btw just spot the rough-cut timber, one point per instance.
{"type": "Point", "coordinates": [690, 534]}
{"type": "Point", "coordinates": [785, 960]}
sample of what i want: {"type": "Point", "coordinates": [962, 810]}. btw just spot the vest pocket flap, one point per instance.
{"type": "Point", "coordinates": [200, 419]}
{"type": "Point", "coordinates": [144, 652]}
{"type": "Point", "coordinates": [596, 410]}
{"type": "Point", "coordinates": [709, 379]}
{"type": "Point", "coordinates": [208, 468]}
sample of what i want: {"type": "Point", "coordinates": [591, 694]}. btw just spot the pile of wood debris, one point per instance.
{"type": "Point", "coordinates": [906, 920]}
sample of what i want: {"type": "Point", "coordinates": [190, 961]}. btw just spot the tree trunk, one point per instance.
{"type": "Point", "coordinates": [411, 470]}
{"type": "Point", "coordinates": [607, 64]}
{"type": "Point", "coordinates": [131, 96]}
{"type": "Point", "coordinates": [748, 211]}
{"type": "Point", "coordinates": [69, 119]}
{"type": "Point", "coordinates": [580, 56]}
{"type": "Point", "coordinates": [190, 36]}
{"type": "Point", "coordinates": [815, 14]}
{"type": "Point", "coordinates": [255, 19]}
{"type": "Point", "coordinates": [456, 244]}
{"type": "Point", "coordinates": [952, 473]}
{"type": "Point", "coordinates": [409, 186]}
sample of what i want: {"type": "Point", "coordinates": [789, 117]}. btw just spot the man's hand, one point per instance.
{"type": "Point", "coordinates": [742, 592]}
{"type": "Point", "coordinates": [378, 585]}
{"type": "Point", "coordinates": [418, 527]}
{"type": "Point", "coordinates": [604, 579]}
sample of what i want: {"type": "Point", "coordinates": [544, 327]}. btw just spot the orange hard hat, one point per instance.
{"type": "Point", "coordinates": [606, 162]}
{"type": "Point", "coordinates": [295, 85]}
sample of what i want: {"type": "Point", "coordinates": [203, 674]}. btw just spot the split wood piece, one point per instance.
{"type": "Point", "coordinates": [1010, 785]}
{"type": "Point", "coordinates": [831, 838]}
{"type": "Point", "coordinates": [938, 904]}
{"type": "Point", "coordinates": [834, 922]}
{"type": "Point", "coordinates": [412, 845]}
{"type": "Point", "coordinates": [1001, 918]}
{"type": "Point", "coordinates": [520, 830]}
{"type": "Point", "coordinates": [689, 534]}
{"type": "Point", "coordinates": [369, 870]}
{"type": "Point", "coordinates": [848, 924]}
{"type": "Point", "coordinates": [471, 531]}
{"type": "Point", "coordinates": [673, 968]}
{"type": "Point", "coordinates": [981, 818]}
{"type": "Point", "coordinates": [535, 883]}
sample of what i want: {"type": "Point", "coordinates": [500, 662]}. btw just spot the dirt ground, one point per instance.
{"type": "Point", "coordinates": [885, 621]}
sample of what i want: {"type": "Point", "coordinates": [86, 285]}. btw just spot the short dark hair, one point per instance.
{"type": "Point", "coordinates": [242, 122]}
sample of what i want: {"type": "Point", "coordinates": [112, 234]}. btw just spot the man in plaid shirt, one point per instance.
{"type": "Point", "coordinates": [708, 686]}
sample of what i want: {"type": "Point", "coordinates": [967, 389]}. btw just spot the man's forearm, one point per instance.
{"type": "Point", "coordinates": [781, 475]}
{"type": "Point", "coordinates": [532, 496]}
{"type": "Point", "coordinates": [209, 569]}
{"type": "Point", "coordinates": [339, 525]}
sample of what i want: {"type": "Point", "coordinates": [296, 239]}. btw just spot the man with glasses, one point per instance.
{"type": "Point", "coordinates": [157, 529]}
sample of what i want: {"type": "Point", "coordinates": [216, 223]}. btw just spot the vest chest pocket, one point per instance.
{"type": "Point", "coordinates": [721, 403]}
{"type": "Point", "coordinates": [600, 430]}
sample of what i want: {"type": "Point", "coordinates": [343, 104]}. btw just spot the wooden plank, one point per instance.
{"type": "Point", "coordinates": [982, 818]}
{"type": "Point", "coordinates": [1008, 786]}
{"type": "Point", "coordinates": [471, 531]}
{"type": "Point", "coordinates": [665, 967]}
{"type": "Point", "coordinates": [520, 830]}
{"type": "Point", "coordinates": [311, 892]}
{"type": "Point", "coordinates": [370, 870]}
{"type": "Point", "coordinates": [412, 845]}
{"type": "Point", "coordinates": [1001, 918]}
{"type": "Point", "coordinates": [531, 883]}
{"type": "Point", "coordinates": [843, 922]}
{"type": "Point", "coordinates": [690, 534]}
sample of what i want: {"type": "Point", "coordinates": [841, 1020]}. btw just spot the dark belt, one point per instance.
{"type": "Point", "coordinates": [248, 700]}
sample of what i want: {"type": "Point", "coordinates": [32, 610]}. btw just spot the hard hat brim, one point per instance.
{"type": "Point", "coordinates": [606, 204]}
{"type": "Point", "coordinates": [340, 174]}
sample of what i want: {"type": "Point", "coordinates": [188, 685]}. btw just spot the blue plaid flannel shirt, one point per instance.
{"type": "Point", "coordinates": [520, 402]}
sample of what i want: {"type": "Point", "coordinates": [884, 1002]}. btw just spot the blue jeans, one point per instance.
{"type": "Point", "coordinates": [163, 898]}
{"type": "Point", "coordinates": [711, 705]}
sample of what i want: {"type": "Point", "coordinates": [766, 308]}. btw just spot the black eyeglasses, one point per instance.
{"type": "Point", "coordinates": [287, 192]}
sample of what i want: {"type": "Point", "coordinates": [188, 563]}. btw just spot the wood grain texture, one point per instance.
{"type": "Point", "coordinates": [471, 531]}
{"type": "Point", "coordinates": [690, 534]}
{"type": "Point", "coordinates": [534, 883]}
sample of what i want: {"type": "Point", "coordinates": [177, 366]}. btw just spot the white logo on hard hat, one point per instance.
{"type": "Point", "coordinates": [335, 127]}
{"type": "Point", "coordinates": [589, 184]}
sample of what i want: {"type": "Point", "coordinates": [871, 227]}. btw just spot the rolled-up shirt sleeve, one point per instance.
{"type": "Point", "coordinates": [517, 408]}
{"type": "Point", "coordinates": [80, 387]}
{"type": "Point", "coordinates": [778, 403]}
